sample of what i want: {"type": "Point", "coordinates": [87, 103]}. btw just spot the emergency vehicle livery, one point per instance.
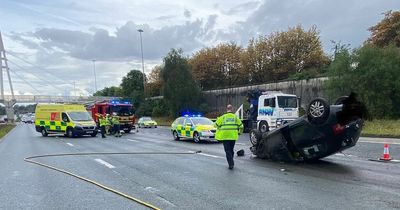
{"type": "Point", "coordinates": [123, 109]}
{"type": "Point", "coordinates": [69, 119]}
{"type": "Point", "coordinates": [194, 127]}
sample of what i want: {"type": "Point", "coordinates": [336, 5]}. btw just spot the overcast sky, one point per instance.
{"type": "Point", "coordinates": [51, 44]}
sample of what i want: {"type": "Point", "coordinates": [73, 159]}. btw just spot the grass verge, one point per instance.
{"type": "Point", "coordinates": [163, 121]}
{"type": "Point", "coordinates": [382, 128]}
{"type": "Point", "coordinates": [4, 129]}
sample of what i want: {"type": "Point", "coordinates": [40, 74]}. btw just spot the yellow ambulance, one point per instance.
{"type": "Point", "coordinates": [69, 119]}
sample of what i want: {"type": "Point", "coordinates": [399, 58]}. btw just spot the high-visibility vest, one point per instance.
{"type": "Point", "coordinates": [229, 126]}
{"type": "Point", "coordinates": [115, 121]}
{"type": "Point", "coordinates": [102, 121]}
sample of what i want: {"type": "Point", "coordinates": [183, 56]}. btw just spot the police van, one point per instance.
{"type": "Point", "coordinates": [69, 119]}
{"type": "Point", "coordinates": [269, 110]}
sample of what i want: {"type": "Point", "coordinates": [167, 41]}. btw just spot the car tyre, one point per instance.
{"type": "Point", "coordinates": [318, 111]}
{"type": "Point", "coordinates": [70, 133]}
{"type": "Point", "coordinates": [44, 132]}
{"type": "Point", "coordinates": [127, 131]}
{"type": "Point", "coordinates": [263, 127]}
{"type": "Point", "coordinates": [176, 137]}
{"type": "Point", "coordinates": [255, 136]}
{"type": "Point", "coordinates": [196, 137]}
{"type": "Point", "coordinates": [93, 134]}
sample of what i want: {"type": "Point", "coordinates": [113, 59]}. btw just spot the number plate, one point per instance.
{"type": "Point", "coordinates": [89, 131]}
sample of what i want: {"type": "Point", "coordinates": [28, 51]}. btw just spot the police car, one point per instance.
{"type": "Point", "coordinates": [193, 127]}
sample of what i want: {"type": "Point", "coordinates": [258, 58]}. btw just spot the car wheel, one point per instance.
{"type": "Point", "coordinates": [340, 100]}
{"type": "Point", "coordinates": [93, 134]}
{"type": "Point", "coordinates": [196, 137]}
{"type": "Point", "coordinates": [127, 131]}
{"type": "Point", "coordinates": [44, 132]}
{"type": "Point", "coordinates": [175, 134]}
{"type": "Point", "coordinates": [318, 111]}
{"type": "Point", "coordinates": [70, 133]}
{"type": "Point", "coordinates": [255, 136]}
{"type": "Point", "coordinates": [263, 127]}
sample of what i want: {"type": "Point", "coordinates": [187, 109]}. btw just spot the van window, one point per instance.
{"type": "Point", "coordinates": [64, 117]}
{"type": "Point", "coordinates": [269, 102]}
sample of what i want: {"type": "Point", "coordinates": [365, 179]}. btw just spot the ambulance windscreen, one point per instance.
{"type": "Point", "coordinates": [79, 116]}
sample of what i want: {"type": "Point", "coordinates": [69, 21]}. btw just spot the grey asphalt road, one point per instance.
{"type": "Point", "coordinates": [189, 181]}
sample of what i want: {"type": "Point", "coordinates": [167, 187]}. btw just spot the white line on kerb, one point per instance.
{"type": "Point", "coordinates": [69, 144]}
{"type": "Point", "coordinates": [104, 163]}
{"type": "Point", "coordinates": [132, 140]}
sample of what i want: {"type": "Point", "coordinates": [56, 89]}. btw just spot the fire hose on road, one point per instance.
{"type": "Point", "coordinates": [150, 206]}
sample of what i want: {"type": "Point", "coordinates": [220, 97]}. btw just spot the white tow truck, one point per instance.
{"type": "Point", "coordinates": [269, 110]}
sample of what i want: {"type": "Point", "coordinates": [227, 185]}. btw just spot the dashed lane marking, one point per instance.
{"type": "Point", "coordinates": [69, 144]}
{"type": "Point", "coordinates": [132, 140]}
{"type": "Point", "coordinates": [108, 165]}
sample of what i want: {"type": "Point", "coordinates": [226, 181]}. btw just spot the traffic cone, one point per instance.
{"type": "Point", "coordinates": [386, 155]}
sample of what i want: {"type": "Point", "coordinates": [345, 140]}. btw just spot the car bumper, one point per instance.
{"type": "Point", "coordinates": [85, 131]}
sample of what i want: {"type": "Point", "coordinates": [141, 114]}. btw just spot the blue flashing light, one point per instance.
{"type": "Point", "coordinates": [199, 115]}
{"type": "Point", "coordinates": [126, 102]}
{"type": "Point", "coordinates": [186, 115]}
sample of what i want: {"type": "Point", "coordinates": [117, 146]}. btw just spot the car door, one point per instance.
{"type": "Point", "coordinates": [188, 127]}
{"type": "Point", "coordinates": [179, 126]}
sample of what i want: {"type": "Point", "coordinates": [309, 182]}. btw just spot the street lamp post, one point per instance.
{"type": "Point", "coordinates": [94, 71]}
{"type": "Point", "coordinates": [141, 49]}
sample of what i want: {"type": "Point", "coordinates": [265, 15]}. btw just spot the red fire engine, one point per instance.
{"type": "Point", "coordinates": [123, 109]}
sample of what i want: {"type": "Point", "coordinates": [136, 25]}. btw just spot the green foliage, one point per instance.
{"type": "Point", "coordinates": [373, 73]}
{"type": "Point", "coordinates": [4, 129]}
{"type": "Point", "coordinates": [180, 91]}
{"type": "Point", "coordinates": [109, 91]}
{"type": "Point", "coordinates": [387, 31]}
{"type": "Point", "coordinates": [20, 109]}
{"type": "Point", "coordinates": [132, 86]}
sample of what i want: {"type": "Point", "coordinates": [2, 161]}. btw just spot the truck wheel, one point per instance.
{"type": "Point", "coordinates": [318, 111]}
{"type": "Point", "coordinates": [176, 137]}
{"type": "Point", "coordinates": [255, 136]}
{"type": "Point", "coordinates": [70, 133]}
{"type": "Point", "coordinates": [263, 127]}
{"type": "Point", "coordinates": [127, 131]}
{"type": "Point", "coordinates": [196, 137]}
{"type": "Point", "coordinates": [44, 132]}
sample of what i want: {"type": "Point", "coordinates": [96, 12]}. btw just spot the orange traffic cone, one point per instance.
{"type": "Point", "coordinates": [386, 155]}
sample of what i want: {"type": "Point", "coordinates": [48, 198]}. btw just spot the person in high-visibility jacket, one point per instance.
{"type": "Point", "coordinates": [229, 126]}
{"type": "Point", "coordinates": [116, 126]}
{"type": "Point", "coordinates": [102, 122]}
{"type": "Point", "coordinates": [108, 124]}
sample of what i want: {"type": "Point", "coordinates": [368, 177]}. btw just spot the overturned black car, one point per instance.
{"type": "Point", "coordinates": [324, 130]}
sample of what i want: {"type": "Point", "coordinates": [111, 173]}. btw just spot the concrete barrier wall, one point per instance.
{"type": "Point", "coordinates": [305, 89]}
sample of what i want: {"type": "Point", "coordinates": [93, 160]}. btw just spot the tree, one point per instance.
{"type": "Point", "coordinates": [373, 73]}
{"type": "Point", "coordinates": [180, 91]}
{"type": "Point", "coordinates": [387, 31]}
{"type": "Point", "coordinates": [109, 91]}
{"type": "Point", "coordinates": [281, 54]}
{"type": "Point", "coordinates": [132, 86]}
{"type": "Point", "coordinates": [219, 66]}
{"type": "Point", "coordinates": [155, 83]}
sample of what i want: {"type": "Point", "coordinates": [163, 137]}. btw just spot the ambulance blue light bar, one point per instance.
{"type": "Point", "coordinates": [192, 115]}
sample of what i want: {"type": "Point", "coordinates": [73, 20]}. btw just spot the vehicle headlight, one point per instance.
{"type": "Point", "coordinates": [78, 125]}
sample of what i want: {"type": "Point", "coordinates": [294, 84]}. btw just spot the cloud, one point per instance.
{"type": "Point", "coordinates": [124, 42]}
{"type": "Point", "coordinates": [339, 20]}
{"type": "Point", "coordinates": [187, 13]}
{"type": "Point", "coordinates": [242, 8]}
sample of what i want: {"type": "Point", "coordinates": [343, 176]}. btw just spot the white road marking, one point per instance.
{"type": "Point", "coordinates": [379, 142]}
{"type": "Point", "coordinates": [108, 165]}
{"type": "Point", "coordinates": [132, 140]}
{"type": "Point", "coordinates": [69, 144]}
{"type": "Point", "coordinates": [208, 155]}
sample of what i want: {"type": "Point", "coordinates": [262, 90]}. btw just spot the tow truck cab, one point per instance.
{"type": "Point", "coordinates": [269, 110]}
{"type": "Point", "coordinates": [276, 109]}
{"type": "Point", "coordinates": [124, 110]}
